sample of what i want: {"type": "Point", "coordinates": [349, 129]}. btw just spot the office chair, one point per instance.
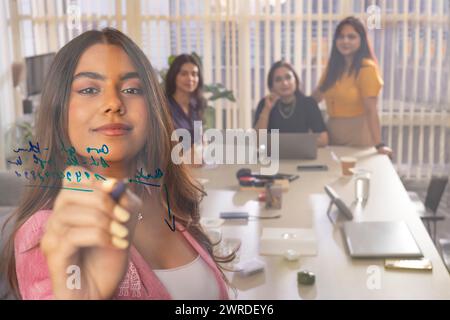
{"type": "Point", "coordinates": [428, 210]}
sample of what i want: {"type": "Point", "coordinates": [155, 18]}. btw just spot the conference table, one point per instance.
{"type": "Point", "coordinates": [304, 205]}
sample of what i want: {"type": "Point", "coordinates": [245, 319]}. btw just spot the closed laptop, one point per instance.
{"type": "Point", "coordinates": [380, 239]}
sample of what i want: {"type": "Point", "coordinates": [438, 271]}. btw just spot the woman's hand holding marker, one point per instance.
{"type": "Point", "coordinates": [90, 230]}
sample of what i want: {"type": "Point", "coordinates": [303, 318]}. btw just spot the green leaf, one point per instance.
{"type": "Point", "coordinates": [218, 95]}
{"type": "Point", "coordinates": [171, 59]}
{"type": "Point", "coordinates": [209, 118]}
{"type": "Point", "coordinates": [230, 96]}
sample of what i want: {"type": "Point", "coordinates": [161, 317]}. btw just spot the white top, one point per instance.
{"type": "Point", "coordinates": [193, 281]}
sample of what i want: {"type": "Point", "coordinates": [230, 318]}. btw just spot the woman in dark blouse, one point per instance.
{"type": "Point", "coordinates": [286, 108]}
{"type": "Point", "coordinates": [184, 86]}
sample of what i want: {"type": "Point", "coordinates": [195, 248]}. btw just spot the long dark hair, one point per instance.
{"type": "Point", "coordinates": [52, 132]}
{"type": "Point", "coordinates": [287, 65]}
{"type": "Point", "coordinates": [170, 83]}
{"type": "Point", "coordinates": [336, 64]}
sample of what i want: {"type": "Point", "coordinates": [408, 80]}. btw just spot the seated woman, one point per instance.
{"type": "Point", "coordinates": [286, 108]}
{"type": "Point", "coordinates": [350, 86]}
{"type": "Point", "coordinates": [93, 237]}
{"type": "Point", "coordinates": [184, 89]}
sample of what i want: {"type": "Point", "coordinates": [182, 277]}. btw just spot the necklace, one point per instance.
{"type": "Point", "coordinates": [140, 217]}
{"type": "Point", "coordinates": [287, 110]}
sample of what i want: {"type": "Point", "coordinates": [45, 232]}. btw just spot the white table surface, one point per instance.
{"type": "Point", "coordinates": [338, 276]}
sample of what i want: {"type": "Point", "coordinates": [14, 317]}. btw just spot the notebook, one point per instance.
{"type": "Point", "coordinates": [380, 239]}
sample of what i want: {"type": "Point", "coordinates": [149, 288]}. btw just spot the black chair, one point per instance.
{"type": "Point", "coordinates": [428, 212]}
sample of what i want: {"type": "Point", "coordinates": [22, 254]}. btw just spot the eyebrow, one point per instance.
{"type": "Point", "coordinates": [284, 76]}
{"type": "Point", "coordinates": [182, 70]}
{"type": "Point", "coordinates": [98, 76]}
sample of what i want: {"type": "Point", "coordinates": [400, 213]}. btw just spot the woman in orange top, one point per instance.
{"type": "Point", "coordinates": [350, 86]}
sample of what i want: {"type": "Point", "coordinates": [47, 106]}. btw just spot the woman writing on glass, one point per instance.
{"type": "Point", "coordinates": [102, 90]}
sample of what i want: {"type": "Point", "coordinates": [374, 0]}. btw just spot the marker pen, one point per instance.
{"type": "Point", "coordinates": [119, 189]}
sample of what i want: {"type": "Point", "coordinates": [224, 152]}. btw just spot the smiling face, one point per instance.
{"type": "Point", "coordinates": [187, 79]}
{"type": "Point", "coordinates": [283, 82]}
{"type": "Point", "coordinates": [107, 105]}
{"type": "Point", "coordinates": [348, 41]}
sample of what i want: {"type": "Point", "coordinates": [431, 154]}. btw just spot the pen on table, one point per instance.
{"type": "Point", "coordinates": [334, 156]}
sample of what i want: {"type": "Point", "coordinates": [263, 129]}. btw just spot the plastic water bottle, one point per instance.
{"type": "Point", "coordinates": [362, 186]}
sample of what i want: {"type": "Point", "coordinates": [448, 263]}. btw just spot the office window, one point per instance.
{"type": "Point", "coordinates": [412, 47]}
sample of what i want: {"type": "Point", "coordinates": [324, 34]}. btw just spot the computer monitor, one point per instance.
{"type": "Point", "coordinates": [37, 68]}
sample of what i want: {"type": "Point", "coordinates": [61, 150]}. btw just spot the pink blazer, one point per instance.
{"type": "Point", "coordinates": [139, 282]}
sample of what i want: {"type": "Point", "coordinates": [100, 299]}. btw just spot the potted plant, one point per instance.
{"type": "Point", "coordinates": [18, 136]}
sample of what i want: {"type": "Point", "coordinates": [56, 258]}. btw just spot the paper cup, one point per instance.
{"type": "Point", "coordinates": [347, 163]}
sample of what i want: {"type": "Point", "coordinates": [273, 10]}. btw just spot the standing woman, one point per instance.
{"type": "Point", "coordinates": [184, 89]}
{"type": "Point", "coordinates": [286, 108]}
{"type": "Point", "coordinates": [350, 86]}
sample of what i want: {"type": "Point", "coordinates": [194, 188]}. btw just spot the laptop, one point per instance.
{"type": "Point", "coordinates": [380, 239]}
{"type": "Point", "coordinates": [297, 146]}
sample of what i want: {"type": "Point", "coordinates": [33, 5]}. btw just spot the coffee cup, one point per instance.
{"type": "Point", "coordinates": [347, 163]}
